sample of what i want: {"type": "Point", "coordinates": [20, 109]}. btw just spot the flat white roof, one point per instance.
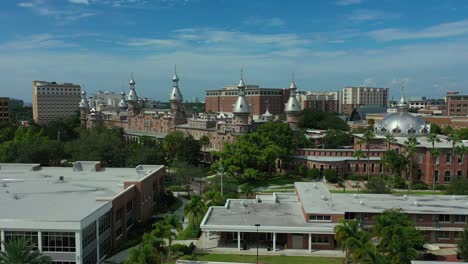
{"type": "Point", "coordinates": [32, 193]}
{"type": "Point", "coordinates": [316, 199]}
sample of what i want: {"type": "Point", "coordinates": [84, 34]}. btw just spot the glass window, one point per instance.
{"type": "Point", "coordinates": [118, 214]}
{"type": "Point", "coordinates": [443, 235]}
{"type": "Point", "coordinates": [319, 218]}
{"type": "Point", "coordinates": [91, 258]}
{"type": "Point", "coordinates": [444, 218]}
{"type": "Point", "coordinates": [32, 237]}
{"type": "Point", "coordinates": [104, 222]}
{"type": "Point", "coordinates": [105, 247]}
{"type": "Point", "coordinates": [89, 234]}
{"type": "Point", "coordinates": [320, 240]}
{"type": "Point", "coordinates": [447, 176]}
{"type": "Point", "coordinates": [448, 158]}
{"type": "Point", "coordinates": [459, 219]}
{"type": "Point", "coordinates": [58, 241]}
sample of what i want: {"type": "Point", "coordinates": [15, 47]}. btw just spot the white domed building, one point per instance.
{"type": "Point", "coordinates": [402, 123]}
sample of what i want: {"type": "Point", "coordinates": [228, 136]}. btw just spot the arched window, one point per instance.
{"type": "Point", "coordinates": [411, 131]}
{"type": "Point", "coordinates": [447, 176]}
{"type": "Point", "coordinates": [396, 130]}
{"type": "Point", "coordinates": [383, 130]}
{"type": "Point", "coordinates": [419, 174]}
{"type": "Point", "coordinates": [436, 176]}
{"type": "Point", "coordinates": [459, 173]}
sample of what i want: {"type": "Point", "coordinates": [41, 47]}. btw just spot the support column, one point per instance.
{"type": "Point", "coordinates": [204, 240]}
{"type": "Point", "coordinates": [310, 242]}
{"type": "Point", "coordinates": [78, 247]}
{"type": "Point", "coordinates": [2, 239]}
{"type": "Point", "coordinates": [98, 243]}
{"type": "Point", "coordinates": [39, 241]}
{"type": "Point", "coordinates": [238, 241]}
{"type": "Point", "coordinates": [274, 242]}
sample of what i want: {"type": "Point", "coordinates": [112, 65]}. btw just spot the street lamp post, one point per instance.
{"type": "Point", "coordinates": [257, 225]}
{"type": "Point", "coordinates": [221, 170]}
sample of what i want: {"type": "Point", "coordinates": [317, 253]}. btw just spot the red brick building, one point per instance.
{"type": "Point", "coordinates": [259, 99]}
{"type": "Point", "coordinates": [457, 104]}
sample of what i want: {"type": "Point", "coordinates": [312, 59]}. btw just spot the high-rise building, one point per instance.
{"type": "Point", "coordinates": [5, 113]}
{"type": "Point", "coordinates": [457, 104]}
{"type": "Point", "coordinates": [353, 97]}
{"type": "Point", "coordinates": [322, 101]}
{"type": "Point", "coordinates": [259, 99]}
{"type": "Point", "coordinates": [53, 101]}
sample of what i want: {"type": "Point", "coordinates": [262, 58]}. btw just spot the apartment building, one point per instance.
{"type": "Point", "coordinates": [457, 104]}
{"type": "Point", "coordinates": [353, 97]}
{"type": "Point", "coordinates": [76, 214]}
{"type": "Point", "coordinates": [259, 99]}
{"type": "Point", "coordinates": [53, 101]}
{"type": "Point", "coordinates": [5, 110]}
{"type": "Point", "coordinates": [322, 101]}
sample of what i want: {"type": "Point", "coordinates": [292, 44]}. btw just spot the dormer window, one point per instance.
{"type": "Point", "coordinates": [411, 131]}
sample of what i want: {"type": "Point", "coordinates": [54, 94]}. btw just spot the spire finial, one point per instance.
{"type": "Point", "coordinates": [175, 68]}
{"type": "Point", "coordinates": [292, 76]}
{"type": "Point", "coordinates": [241, 84]}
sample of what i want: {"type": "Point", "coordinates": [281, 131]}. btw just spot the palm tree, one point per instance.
{"type": "Point", "coordinates": [435, 153]}
{"type": "Point", "coordinates": [147, 252]}
{"type": "Point", "coordinates": [358, 154]}
{"type": "Point", "coordinates": [410, 151]}
{"type": "Point", "coordinates": [360, 245]}
{"type": "Point", "coordinates": [345, 232]}
{"type": "Point", "coordinates": [455, 139]}
{"type": "Point", "coordinates": [373, 257]}
{"type": "Point", "coordinates": [389, 139]}
{"type": "Point", "coordinates": [173, 222]}
{"type": "Point", "coordinates": [367, 137]}
{"type": "Point", "coordinates": [433, 138]}
{"type": "Point", "coordinates": [247, 190]}
{"type": "Point", "coordinates": [194, 210]}
{"type": "Point", "coordinates": [460, 151]}
{"type": "Point", "coordinates": [20, 251]}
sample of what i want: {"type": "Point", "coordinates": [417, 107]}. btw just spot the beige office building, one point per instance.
{"type": "Point", "coordinates": [353, 97]}
{"type": "Point", "coordinates": [53, 101]}
{"type": "Point", "coordinates": [5, 113]}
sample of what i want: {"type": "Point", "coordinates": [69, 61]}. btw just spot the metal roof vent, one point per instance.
{"type": "Point", "coordinates": [243, 204]}
{"type": "Point", "coordinates": [405, 196]}
{"type": "Point", "coordinates": [323, 197]}
{"type": "Point", "coordinates": [361, 202]}
{"type": "Point", "coordinates": [454, 197]}
{"type": "Point", "coordinates": [16, 196]}
{"type": "Point", "coordinates": [61, 179]}
{"type": "Point", "coordinates": [416, 203]}
{"type": "Point", "coordinates": [4, 185]}
{"type": "Point", "coordinates": [315, 186]}
{"type": "Point", "coordinates": [356, 196]}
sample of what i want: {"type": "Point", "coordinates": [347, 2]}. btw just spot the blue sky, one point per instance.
{"type": "Point", "coordinates": [327, 44]}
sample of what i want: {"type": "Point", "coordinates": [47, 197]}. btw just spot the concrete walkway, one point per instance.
{"type": "Point", "coordinates": [180, 212]}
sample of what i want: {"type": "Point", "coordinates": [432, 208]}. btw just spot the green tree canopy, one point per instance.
{"type": "Point", "coordinates": [322, 120]}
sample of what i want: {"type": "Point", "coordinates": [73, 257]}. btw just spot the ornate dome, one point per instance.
{"type": "Point", "coordinates": [402, 123]}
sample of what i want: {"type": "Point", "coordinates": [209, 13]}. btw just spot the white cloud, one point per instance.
{"type": "Point", "coordinates": [154, 42]}
{"type": "Point", "coordinates": [348, 2]}
{"type": "Point", "coordinates": [26, 4]}
{"type": "Point", "coordinates": [265, 22]}
{"type": "Point", "coordinates": [362, 15]}
{"type": "Point", "coordinates": [438, 31]}
{"type": "Point", "coordinates": [39, 41]}
{"type": "Point", "coordinates": [82, 2]}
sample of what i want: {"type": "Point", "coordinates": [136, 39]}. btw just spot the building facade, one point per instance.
{"type": "Point", "coordinates": [353, 97]}
{"type": "Point", "coordinates": [457, 104]}
{"type": "Point", "coordinates": [322, 101]}
{"type": "Point", "coordinates": [76, 214]}
{"type": "Point", "coordinates": [306, 218]}
{"type": "Point", "coordinates": [138, 119]}
{"type": "Point", "coordinates": [53, 101]}
{"type": "Point", "coordinates": [5, 110]}
{"type": "Point", "coordinates": [259, 99]}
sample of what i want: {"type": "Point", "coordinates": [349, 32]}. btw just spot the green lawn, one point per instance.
{"type": "Point", "coordinates": [263, 259]}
